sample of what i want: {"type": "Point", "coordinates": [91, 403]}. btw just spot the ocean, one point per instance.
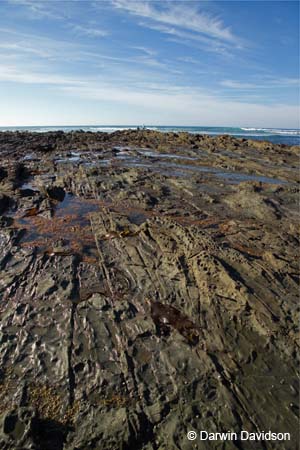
{"type": "Point", "coordinates": [275, 135]}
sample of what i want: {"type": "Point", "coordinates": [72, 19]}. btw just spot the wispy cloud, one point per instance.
{"type": "Point", "coordinates": [18, 44]}
{"type": "Point", "coordinates": [148, 51]}
{"type": "Point", "coordinates": [185, 37]}
{"type": "Point", "coordinates": [180, 15]}
{"type": "Point", "coordinates": [188, 60]}
{"type": "Point", "coordinates": [267, 84]}
{"type": "Point", "coordinates": [16, 74]}
{"type": "Point", "coordinates": [166, 100]}
{"type": "Point", "coordinates": [184, 24]}
{"type": "Point", "coordinates": [198, 105]}
{"type": "Point", "coordinates": [21, 44]}
{"type": "Point", "coordinates": [39, 9]}
{"type": "Point", "coordinates": [22, 47]}
{"type": "Point", "coordinates": [89, 31]}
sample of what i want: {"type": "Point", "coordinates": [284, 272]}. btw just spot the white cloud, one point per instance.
{"type": "Point", "coordinates": [179, 15]}
{"type": "Point", "coordinates": [269, 83]}
{"type": "Point", "coordinates": [188, 106]}
{"type": "Point", "coordinates": [38, 9]}
{"type": "Point", "coordinates": [146, 50]}
{"type": "Point", "coordinates": [89, 31]}
{"type": "Point", "coordinates": [160, 103]}
{"type": "Point", "coordinates": [39, 45]}
{"type": "Point", "coordinates": [14, 74]}
{"type": "Point", "coordinates": [24, 47]}
{"type": "Point", "coordinates": [41, 9]}
{"type": "Point", "coordinates": [17, 45]}
{"type": "Point", "coordinates": [185, 37]}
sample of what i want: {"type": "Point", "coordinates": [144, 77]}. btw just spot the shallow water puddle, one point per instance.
{"type": "Point", "coordinates": [236, 178]}
{"type": "Point", "coordinates": [67, 232]}
{"type": "Point", "coordinates": [137, 218]}
{"type": "Point", "coordinates": [28, 185]}
{"type": "Point", "coordinates": [69, 157]}
{"type": "Point", "coordinates": [153, 154]}
{"type": "Point", "coordinates": [231, 177]}
{"type": "Point", "coordinates": [30, 157]}
{"type": "Point", "coordinates": [149, 159]}
{"type": "Point", "coordinates": [78, 207]}
{"type": "Point", "coordinates": [32, 182]}
{"type": "Point", "coordinates": [182, 170]}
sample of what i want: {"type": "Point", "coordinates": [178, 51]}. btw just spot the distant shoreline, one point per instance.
{"type": "Point", "coordinates": [273, 135]}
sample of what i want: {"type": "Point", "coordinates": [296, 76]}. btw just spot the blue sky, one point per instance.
{"type": "Point", "coordinates": [154, 62]}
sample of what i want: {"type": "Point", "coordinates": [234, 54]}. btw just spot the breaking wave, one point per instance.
{"type": "Point", "coordinates": [286, 132]}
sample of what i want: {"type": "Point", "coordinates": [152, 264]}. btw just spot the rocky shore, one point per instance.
{"type": "Point", "coordinates": [149, 286]}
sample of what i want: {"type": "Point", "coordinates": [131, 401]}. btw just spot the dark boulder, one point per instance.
{"type": "Point", "coordinates": [56, 193]}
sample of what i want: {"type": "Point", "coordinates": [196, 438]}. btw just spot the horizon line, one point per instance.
{"type": "Point", "coordinates": [148, 125]}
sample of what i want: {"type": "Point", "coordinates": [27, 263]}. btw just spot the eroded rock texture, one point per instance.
{"type": "Point", "coordinates": [149, 286]}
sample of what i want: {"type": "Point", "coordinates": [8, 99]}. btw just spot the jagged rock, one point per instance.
{"type": "Point", "coordinates": [4, 203]}
{"type": "Point", "coordinates": [56, 193]}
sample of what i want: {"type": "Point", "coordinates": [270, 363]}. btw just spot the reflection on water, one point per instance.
{"type": "Point", "coordinates": [67, 232]}
{"type": "Point", "coordinates": [149, 159]}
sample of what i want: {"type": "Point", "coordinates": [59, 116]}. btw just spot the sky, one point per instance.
{"type": "Point", "coordinates": [218, 63]}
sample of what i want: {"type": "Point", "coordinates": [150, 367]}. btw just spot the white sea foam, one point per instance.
{"type": "Point", "coordinates": [271, 131]}
{"type": "Point", "coordinates": [219, 133]}
{"type": "Point", "coordinates": [110, 129]}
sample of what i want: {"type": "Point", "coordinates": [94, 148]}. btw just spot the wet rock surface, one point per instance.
{"type": "Point", "coordinates": [149, 286]}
